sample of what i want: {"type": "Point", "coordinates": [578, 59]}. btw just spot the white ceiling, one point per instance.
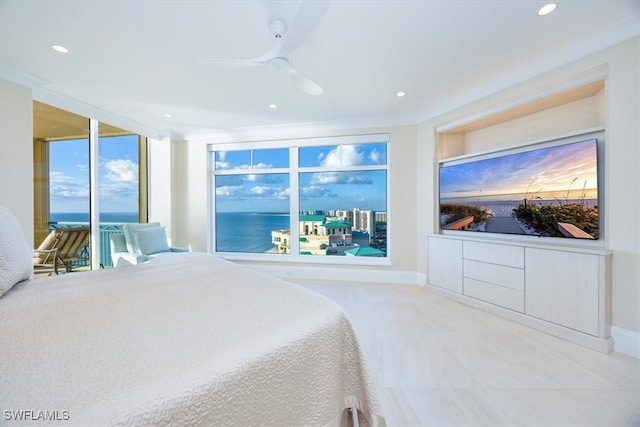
{"type": "Point", "coordinates": [131, 62]}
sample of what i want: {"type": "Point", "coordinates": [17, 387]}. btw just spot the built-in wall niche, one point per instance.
{"type": "Point", "coordinates": [538, 117]}
{"type": "Point", "coordinates": [542, 155]}
{"type": "Point", "coordinates": [558, 285]}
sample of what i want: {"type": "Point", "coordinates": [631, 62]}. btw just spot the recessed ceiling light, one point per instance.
{"type": "Point", "coordinates": [400, 94]}
{"type": "Point", "coordinates": [168, 116]}
{"type": "Point", "coordinates": [273, 106]}
{"type": "Point", "coordinates": [547, 9]}
{"type": "Point", "coordinates": [59, 48]}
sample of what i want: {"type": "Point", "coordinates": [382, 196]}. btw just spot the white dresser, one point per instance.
{"type": "Point", "coordinates": [564, 291]}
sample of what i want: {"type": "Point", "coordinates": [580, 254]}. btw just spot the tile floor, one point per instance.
{"type": "Point", "coordinates": [436, 362]}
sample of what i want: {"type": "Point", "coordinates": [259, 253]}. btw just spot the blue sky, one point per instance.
{"type": "Point", "coordinates": [118, 178]}
{"type": "Point", "coordinates": [318, 190]}
{"type": "Point", "coordinates": [118, 174]}
{"type": "Point", "coordinates": [548, 170]}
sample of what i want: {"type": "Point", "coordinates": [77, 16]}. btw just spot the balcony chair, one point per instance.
{"type": "Point", "coordinates": [140, 243]}
{"type": "Point", "coordinates": [61, 247]}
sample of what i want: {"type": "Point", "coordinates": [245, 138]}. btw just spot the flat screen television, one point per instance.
{"type": "Point", "coordinates": [546, 189]}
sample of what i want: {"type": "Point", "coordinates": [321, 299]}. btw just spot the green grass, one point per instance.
{"type": "Point", "coordinates": [545, 219]}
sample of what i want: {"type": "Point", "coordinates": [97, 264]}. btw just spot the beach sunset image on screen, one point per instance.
{"type": "Point", "coordinates": [545, 191]}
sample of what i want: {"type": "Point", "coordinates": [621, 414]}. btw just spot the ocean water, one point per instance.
{"type": "Point", "coordinates": [248, 231]}
{"type": "Point", "coordinates": [235, 231]}
{"type": "Point", "coordinates": [84, 216]}
{"type": "Point", "coordinates": [501, 208]}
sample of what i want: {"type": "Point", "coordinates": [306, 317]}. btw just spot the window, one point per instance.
{"type": "Point", "coordinates": [251, 198]}
{"type": "Point", "coordinates": [315, 198]}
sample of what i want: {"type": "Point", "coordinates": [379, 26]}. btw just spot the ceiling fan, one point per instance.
{"type": "Point", "coordinates": [288, 40]}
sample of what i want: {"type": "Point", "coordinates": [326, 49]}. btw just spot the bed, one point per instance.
{"type": "Point", "coordinates": [189, 340]}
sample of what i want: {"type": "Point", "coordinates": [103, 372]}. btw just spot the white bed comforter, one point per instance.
{"type": "Point", "coordinates": [191, 340]}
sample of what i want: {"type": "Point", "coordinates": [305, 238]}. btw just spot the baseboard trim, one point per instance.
{"type": "Point", "coordinates": [339, 273]}
{"type": "Point", "coordinates": [626, 341]}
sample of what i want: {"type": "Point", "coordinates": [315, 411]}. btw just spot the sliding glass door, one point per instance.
{"type": "Point", "coordinates": [118, 187]}
{"type": "Point", "coordinates": [80, 182]}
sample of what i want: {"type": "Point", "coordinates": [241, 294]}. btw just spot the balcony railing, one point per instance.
{"type": "Point", "coordinates": [106, 229]}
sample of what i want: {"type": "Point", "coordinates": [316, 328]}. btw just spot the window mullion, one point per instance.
{"type": "Point", "coordinates": [315, 169]}
{"type": "Point", "coordinates": [264, 171]}
{"type": "Point", "coordinates": [211, 201]}
{"type": "Point", "coordinates": [94, 193]}
{"type": "Point", "coordinates": [294, 202]}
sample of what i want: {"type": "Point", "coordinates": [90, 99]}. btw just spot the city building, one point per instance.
{"type": "Point", "coordinates": [322, 235]}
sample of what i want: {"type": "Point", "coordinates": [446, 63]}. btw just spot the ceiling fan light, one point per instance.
{"type": "Point", "coordinates": [279, 64]}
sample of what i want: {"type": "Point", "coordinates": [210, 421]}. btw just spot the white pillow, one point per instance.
{"type": "Point", "coordinates": [129, 239]}
{"type": "Point", "coordinates": [151, 240]}
{"type": "Point", "coordinates": [16, 257]}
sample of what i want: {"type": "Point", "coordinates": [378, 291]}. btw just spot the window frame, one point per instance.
{"type": "Point", "coordinates": [99, 243]}
{"type": "Point", "coordinates": [294, 171]}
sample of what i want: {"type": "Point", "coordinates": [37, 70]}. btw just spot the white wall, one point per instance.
{"type": "Point", "coordinates": [191, 184]}
{"type": "Point", "coordinates": [16, 154]}
{"type": "Point", "coordinates": [160, 175]}
{"type": "Point", "coordinates": [622, 178]}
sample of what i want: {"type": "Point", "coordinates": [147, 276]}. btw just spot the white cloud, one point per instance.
{"type": "Point", "coordinates": [260, 191]}
{"type": "Point", "coordinates": [341, 156]}
{"type": "Point", "coordinates": [119, 191]}
{"type": "Point", "coordinates": [269, 178]}
{"type": "Point", "coordinates": [315, 191]}
{"type": "Point", "coordinates": [229, 190]}
{"type": "Point", "coordinates": [344, 155]}
{"type": "Point", "coordinates": [325, 178]}
{"type": "Point", "coordinates": [64, 186]}
{"type": "Point", "coordinates": [226, 166]}
{"type": "Point", "coordinates": [376, 157]}
{"type": "Point", "coordinates": [222, 165]}
{"type": "Point", "coordinates": [283, 193]}
{"type": "Point", "coordinates": [271, 192]}
{"type": "Point", "coordinates": [121, 170]}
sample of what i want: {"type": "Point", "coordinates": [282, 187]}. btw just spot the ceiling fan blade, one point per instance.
{"type": "Point", "coordinates": [308, 15]}
{"type": "Point", "coordinates": [306, 84]}
{"type": "Point", "coordinates": [243, 63]}
{"type": "Point", "coordinates": [229, 63]}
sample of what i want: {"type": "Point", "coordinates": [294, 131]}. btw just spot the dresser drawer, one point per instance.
{"type": "Point", "coordinates": [512, 256]}
{"type": "Point", "coordinates": [508, 277]}
{"type": "Point", "coordinates": [498, 295]}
